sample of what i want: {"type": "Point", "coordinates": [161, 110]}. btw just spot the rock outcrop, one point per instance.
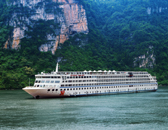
{"type": "Point", "coordinates": [151, 10]}
{"type": "Point", "coordinates": [69, 14]}
{"type": "Point", "coordinates": [146, 60]}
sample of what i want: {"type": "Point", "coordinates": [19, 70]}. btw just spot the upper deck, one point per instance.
{"type": "Point", "coordinates": [99, 72]}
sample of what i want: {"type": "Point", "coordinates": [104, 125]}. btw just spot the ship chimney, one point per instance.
{"type": "Point", "coordinates": [56, 68]}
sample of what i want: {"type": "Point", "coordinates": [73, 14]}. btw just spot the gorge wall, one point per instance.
{"type": "Point", "coordinates": [68, 15]}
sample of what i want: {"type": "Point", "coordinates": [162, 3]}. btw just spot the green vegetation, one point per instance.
{"type": "Point", "coordinates": [129, 31]}
{"type": "Point", "coordinates": [119, 31]}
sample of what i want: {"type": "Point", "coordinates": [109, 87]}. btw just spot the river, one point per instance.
{"type": "Point", "coordinates": [20, 111]}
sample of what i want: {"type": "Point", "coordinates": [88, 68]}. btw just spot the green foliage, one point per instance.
{"type": "Point", "coordinates": [129, 31]}
{"type": "Point", "coordinates": [119, 31]}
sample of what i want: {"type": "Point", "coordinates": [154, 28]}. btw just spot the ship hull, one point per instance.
{"type": "Point", "coordinates": [44, 93]}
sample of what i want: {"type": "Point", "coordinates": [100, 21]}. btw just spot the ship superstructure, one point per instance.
{"type": "Point", "coordinates": [85, 83]}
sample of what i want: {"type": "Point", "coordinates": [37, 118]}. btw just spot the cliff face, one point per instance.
{"type": "Point", "coordinates": [151, 10]}
{"type": "Point", "coordinates": [146, 60]}
{"type": "Point", "coordinates": [68, 14]}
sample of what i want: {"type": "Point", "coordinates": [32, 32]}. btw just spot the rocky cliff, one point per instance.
{"type": "Point", "coordinates": [68, 15]}
{"type": "Point", "coordinates": [146, 60]}
{"type": "Point", "coordinates": [151, 10]}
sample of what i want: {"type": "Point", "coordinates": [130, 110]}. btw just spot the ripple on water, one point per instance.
{"type": "Point", "coordinates": [20, 111]}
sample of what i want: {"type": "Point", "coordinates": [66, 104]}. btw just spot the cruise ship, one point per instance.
{"type": "Point", "coordinates": [87, 83]}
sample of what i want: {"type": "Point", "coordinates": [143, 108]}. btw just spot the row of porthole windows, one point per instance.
{"type": "Point", "coordinates": [46, 85]}
{"type": "Point", "coordinates": [97, 87]}
{"type": "Point", "coordinates": [46, 81]}
{"type": "Point", "coordinates": [82, 73]}
{"type": "Point", "coordinates": [56, 77]}
{"type": "Point", "coordinates": [95, 91]}
{"type": "Point", "coordinates": [104, 80]}
{"type": "Point", "coordinates": [53, 90]}
{"type": "Point", "coordinates": [98, 84]}
{"type": "Point", "coordinates": [92, 88]}
{"type": "Point", "coordinates": [74, 77]}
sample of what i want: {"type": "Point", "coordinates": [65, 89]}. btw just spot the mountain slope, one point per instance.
{"type": "Point", "coordinates": [123, 35]}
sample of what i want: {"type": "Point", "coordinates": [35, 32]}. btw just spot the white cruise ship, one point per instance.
{"type": "Point", "coordinates": [85, 83]}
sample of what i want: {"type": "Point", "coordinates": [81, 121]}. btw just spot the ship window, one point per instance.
{"type": "Point", "coordinates": [37, 85]}
{"type": "Point", "coordinates": [52, 81]}
{"type": "Point", "coordinates": [48, 89]}
{"type": "Point", "coordinates": [73, 88]}
{"type": "Point", "coordinates": [47, 81]}
{"type": "Point", "coordinates": [42, 81]}
{"type": "Point", "coordinates": [36, 81]}
{"type": "Point", "coordinates": [68, 89]}
{"type": "Point", "coordinates": [45, 77]}
{"type": "Point", "coordinates": [64, 89]}
{"type": "Point", "coordinates": [56, 89]}
{"type": "Point", "coordinates": [52, 89]}
{"type": "Point", "coordinates": [60, 89]}
{"type": "Point", "coordinates": [79, 88]}
{"type": "Point", "coordinates": [57, 81]}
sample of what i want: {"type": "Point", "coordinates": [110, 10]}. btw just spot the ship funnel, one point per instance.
{"type": "Point", "coordinates": [56, 68]}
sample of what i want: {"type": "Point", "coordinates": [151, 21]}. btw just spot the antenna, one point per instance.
{"type": "Point", "coordinates": [56, 67]}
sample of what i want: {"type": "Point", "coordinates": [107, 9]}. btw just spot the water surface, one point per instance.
{"type": "Point", "coordinates": [20, 111]}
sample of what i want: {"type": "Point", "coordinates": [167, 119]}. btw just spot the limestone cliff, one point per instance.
{"type": "Point", "coordinates": [151, 10]}
{"type": "Point", "coordinates": [69, 14]}
{"type": "Point", "coordinates": [146, 60]}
